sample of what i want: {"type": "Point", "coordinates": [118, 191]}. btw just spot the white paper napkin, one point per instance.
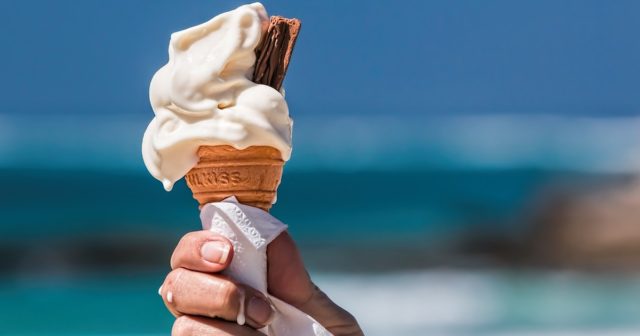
{"type": "Point", "coordinates": [251, 230]}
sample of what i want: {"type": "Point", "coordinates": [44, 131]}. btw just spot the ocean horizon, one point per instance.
{"type": "Point", "coordinates": [350, 143]}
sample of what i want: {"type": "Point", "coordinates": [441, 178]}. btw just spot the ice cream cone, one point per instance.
{"type": "Point", "coordinates": [252, 175]}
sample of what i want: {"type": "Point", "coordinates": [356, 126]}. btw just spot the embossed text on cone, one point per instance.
{"type": "Point", "coordinates": [252, 175]}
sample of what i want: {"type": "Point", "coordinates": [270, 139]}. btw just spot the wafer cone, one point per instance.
{"type": "Point", "coordinates": [252, 175]}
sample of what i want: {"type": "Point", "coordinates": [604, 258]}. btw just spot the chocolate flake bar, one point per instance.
{"type": "Point", "coordinates": [274, 51]}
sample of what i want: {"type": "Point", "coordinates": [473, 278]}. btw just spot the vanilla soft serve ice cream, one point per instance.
{"type": "Point", "coordinates": [204, 96]}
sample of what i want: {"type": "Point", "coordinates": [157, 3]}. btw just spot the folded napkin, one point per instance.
{"type": "Point", "coordinates": [251, 230]}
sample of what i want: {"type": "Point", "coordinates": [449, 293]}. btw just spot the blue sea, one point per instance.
{"type": "Point", "coordinates": [434, 302]}
{"type": "Point", "coordinates": [415, 231]}
{"type": "Point", "coordinates": [85, 251]}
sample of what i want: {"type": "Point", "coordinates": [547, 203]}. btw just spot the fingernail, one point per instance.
{"type": "Point", "coordinates": [160, 291]}
{"type": "Point", "coordinates": [215, 252]}
{"type": "Point", "coordinates": [259, 310]}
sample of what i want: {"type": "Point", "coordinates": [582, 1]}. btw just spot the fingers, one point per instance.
{"type": "Point", "coordinates": [186, 292]}
{"type": "Point", "coordinates": [202, 251]}
{"type": "Point", "coordinates": [337, 320]}
{"type": "Point", "coordinates": [287, 278]}
{"type": "Point", "coordinates": [289, 281]}
{"type": "Point", "coordinates": [199, 326]}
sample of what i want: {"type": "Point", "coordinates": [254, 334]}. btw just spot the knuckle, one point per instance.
{"type": "Point", "coordinates": [351, 321]}
{"type": "Point", "coordinates": [183, 326]}
{"type": "Point", "coordinates": [229, 296]}
{"type": "Point", "coordinates": [172, 279]}
{"type": "Point", "coordinates": [185, 242]}
{"type": "Point", "coordinates": [191, 237]}
{"type": "Point", "coordinates": [173, 262]}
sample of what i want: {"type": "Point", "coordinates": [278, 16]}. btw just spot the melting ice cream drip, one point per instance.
{"type": "Point", "coordinates": [204, 96]}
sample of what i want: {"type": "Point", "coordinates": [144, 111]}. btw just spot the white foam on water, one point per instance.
{"type": "Point", "coordinates": [71, 141]}
{"type": "Point", "coordinates": [487, 141]}
{"type": "Point", "coordinates": [443, 302]}
{"type": "Point", "coordinates": [405, 304]}
{"type": "Point", "coordinates": [353, 142]}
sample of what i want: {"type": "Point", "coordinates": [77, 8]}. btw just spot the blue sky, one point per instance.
{"type": "Point", "coordinates": [353, 57]}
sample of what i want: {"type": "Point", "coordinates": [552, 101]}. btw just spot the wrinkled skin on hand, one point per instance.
{"type": "Point", "coordinates": [207, 303]}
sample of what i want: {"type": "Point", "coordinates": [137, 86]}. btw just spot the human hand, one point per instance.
{"type": "Point", "coordinates": [207, 303]}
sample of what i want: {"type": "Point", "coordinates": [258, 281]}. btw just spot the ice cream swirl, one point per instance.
{"type": "Point", "coordinates": [204, 96]}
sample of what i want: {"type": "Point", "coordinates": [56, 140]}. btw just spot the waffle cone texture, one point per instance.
{"type": "Point", "coordinates": [252, 175]}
